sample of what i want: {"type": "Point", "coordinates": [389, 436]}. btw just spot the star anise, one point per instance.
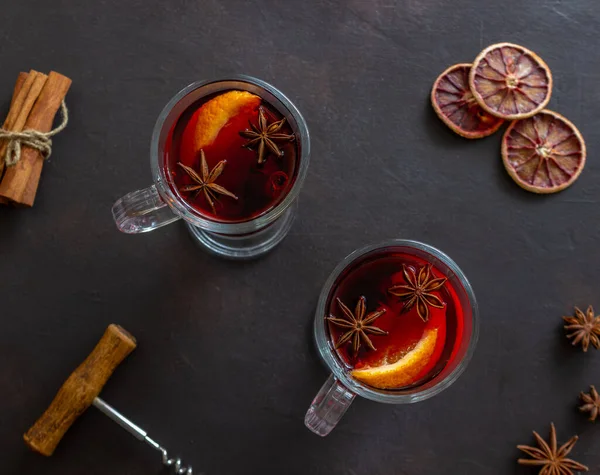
{"type": "Point", "coordinates": [357, 325]}
{"type": "Point", "coordinates": [418, 290]}
{"type": "Point", "coordinates": [264, 137]}
{"type": "Point", "coordinates": [551, 459]}
{"type": "Point", "coordinates": [591, 403]}
{"type": "Point", "coordinates": [584, 328]}
{"type": "Point", "coordinates": [205, 183]}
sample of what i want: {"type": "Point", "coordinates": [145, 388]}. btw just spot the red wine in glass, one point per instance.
{"type": "Point", "coordinates": [258, 186]}
{"type": "Point", "coordinates": [379, 278]}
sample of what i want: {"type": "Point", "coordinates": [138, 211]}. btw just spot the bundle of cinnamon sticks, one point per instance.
{"type": "Point", "coordinates": [36, 99]}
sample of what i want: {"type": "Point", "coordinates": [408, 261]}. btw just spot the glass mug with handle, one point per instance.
{"type": "Point", "coordinates": [229, 157]}
{"type": "Point", "coordinates": [396, 322]}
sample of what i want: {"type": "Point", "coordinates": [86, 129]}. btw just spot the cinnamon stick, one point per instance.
{"type": "Point", "coordinates": [18, 86]}
{"type": "Point", "coordinates": [21, 78]}
{"type": "Point", "coordinates": [20, 182]}
{"type": "Point", "coordinates": [21, 106]}
{"type": "Point", "coordinates": [19, 97]}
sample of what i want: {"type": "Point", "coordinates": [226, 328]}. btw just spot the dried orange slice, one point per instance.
{"type": "Point", "coordinates": [403, 371]}
{"type": "Point", "coordinates": [544, 153]}
{"type": "Point", "coordinates": [214, 115]}
{"type": "Point", "coordinates": [454, 103]}
{"type": "Point", "coordinates": [510, 82]}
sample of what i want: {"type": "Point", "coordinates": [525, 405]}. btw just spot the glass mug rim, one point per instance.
{"type": "Point", "coordinates": [331, 360]}
{"type": "Point", "coordinates": [182, 209]}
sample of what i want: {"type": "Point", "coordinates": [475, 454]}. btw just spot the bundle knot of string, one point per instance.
{"type": "Point", "coordinates": [41, 141]}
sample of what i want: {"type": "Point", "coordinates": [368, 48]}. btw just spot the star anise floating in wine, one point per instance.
{"type": "Point", "coordinates": [357, 326]}
{"type": "Point", "coordinates": [584, 328]}
{"type": "Point", "coordinates": [205, 182]}
{"type": "Point", "coordinates": [418, 290]}
{"type": "Point", "coordinates": [591, 403]}
{"type": "Point", "coordinates": [551, 459]}
{"type": "Point", "coordinates": [265, 137]}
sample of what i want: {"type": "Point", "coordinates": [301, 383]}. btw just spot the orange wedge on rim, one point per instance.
{"type": "Point", "coordinates": [404, 371]}
{"type": "Point", "coordinates": [215, 114]}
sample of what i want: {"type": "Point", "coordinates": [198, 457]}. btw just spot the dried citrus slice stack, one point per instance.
{"type": "Point", "coordinates": [455, 105]}
{"type": "Point", "coordinates": [403, 371]}
{"type": "Point", "coordinates": [544, 153]}
{"type": "Point", "coordinates": [510, 81]}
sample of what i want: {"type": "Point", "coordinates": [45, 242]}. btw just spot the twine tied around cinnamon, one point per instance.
{"type": "Point", "coordinates": [41, 141]}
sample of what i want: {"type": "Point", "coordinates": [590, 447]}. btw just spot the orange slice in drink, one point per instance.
{"type": "Point", "coordinates": [404, 371]}
{"type": "Point", "coordinates": [454, 103]}
{"type": "Point", "coordinates": [544, 153]}
{"type": "Point", "coordinates": [510, 81]}
{"type": "Point", "coordinates": [216, 113]}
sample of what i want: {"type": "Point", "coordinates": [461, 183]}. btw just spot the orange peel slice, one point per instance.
{"type": "Point", "coordinates": [404, 371]}
{"type": "Point", "coordinates": [214, 114]}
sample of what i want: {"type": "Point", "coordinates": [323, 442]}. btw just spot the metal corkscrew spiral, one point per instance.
{"type": "Point", "coordinates": [178, 467]}
{"type": "Point", "coordinates": [176, 464]}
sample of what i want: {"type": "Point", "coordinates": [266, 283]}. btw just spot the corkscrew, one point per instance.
{"type": "Point", "coordinates": [81, 390]}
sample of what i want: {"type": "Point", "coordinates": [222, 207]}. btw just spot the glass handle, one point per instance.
{"type": "Point", "coordinates": [328, 407]}
{"type": "Point", "coordinates": [142, 211]}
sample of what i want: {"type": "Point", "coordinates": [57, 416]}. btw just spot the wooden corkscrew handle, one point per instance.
{"type": "Point", "coordinates": [80, 389]}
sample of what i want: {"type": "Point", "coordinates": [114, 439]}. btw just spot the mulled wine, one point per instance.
{"type": "Point", "coordinates": [394, 319]}
{"type": "Point", "coordinates": [232, 156]}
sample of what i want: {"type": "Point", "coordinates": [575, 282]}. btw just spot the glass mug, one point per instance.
{"type": "Point", "coordinates": [341, 388]}
{"type": "Point", "coordinates": [148, 209]}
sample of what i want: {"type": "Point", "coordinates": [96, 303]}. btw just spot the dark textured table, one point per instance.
{"type": "Point", "coordinates": [225, 367]}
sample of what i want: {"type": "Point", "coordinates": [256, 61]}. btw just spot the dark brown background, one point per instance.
{"type": "Point", "coordinates": [225, 368]}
